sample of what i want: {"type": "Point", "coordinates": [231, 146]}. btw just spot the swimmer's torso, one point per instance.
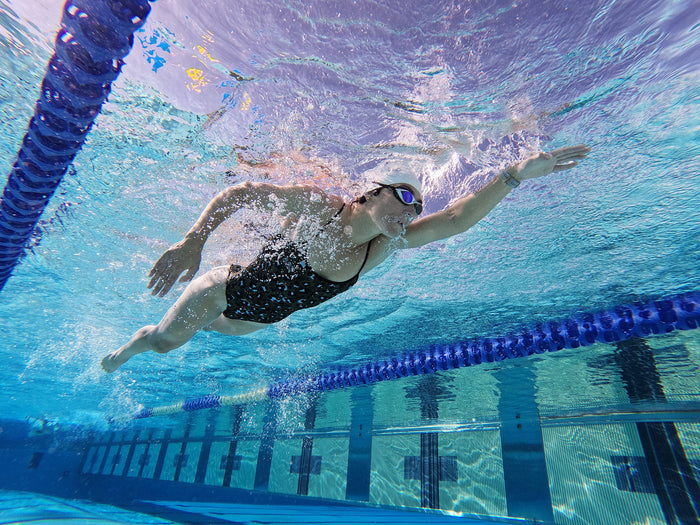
{"type": "Point", "coordinates": [300, 268]}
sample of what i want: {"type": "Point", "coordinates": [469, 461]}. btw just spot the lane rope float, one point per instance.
{"type": "Point", "coordinates": [610, 326]}
{"type": "Point", "coordinates": [94, 38]}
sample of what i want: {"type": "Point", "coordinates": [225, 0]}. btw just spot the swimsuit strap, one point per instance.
{"type": "Point", "coordinates": [335, 216]}
{"type": "Point", "coordinates": [369, 245]}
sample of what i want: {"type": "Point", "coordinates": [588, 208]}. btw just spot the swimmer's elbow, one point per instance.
{"type": "Point", "coordinates": [247, 192]}
{"type": "Point", "coordinates": [237, 196]}
{"type": "Point", "coordinates": [462, 215]}
{"type": "Point", "coordinates": [454, 223]}
{"type": "Point", "coordinates": [267, 196]}
{"type": "Point", "coordinates": [435, 227]}
{"type": "Point", "coordinates": [246, 188]}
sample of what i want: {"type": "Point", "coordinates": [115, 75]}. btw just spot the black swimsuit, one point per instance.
{"type": "Point", "coordinates": [279, 282]}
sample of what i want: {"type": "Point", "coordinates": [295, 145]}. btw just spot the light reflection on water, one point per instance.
{"type": "Point", "coordinates": [411, 84]}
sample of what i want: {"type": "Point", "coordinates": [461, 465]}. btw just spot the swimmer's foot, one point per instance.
{"type": "Point", "coordinates": [116, 359]}
{"type": "Point", "coordinates": [113, 361]}
{"type": "Point", "coordinates": [136, 345]}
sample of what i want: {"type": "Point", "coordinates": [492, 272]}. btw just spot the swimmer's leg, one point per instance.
{"type": "Point", "coordinates": [200, 305]}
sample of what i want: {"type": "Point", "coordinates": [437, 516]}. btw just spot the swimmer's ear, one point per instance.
{"type": "Point", "coordinates": [372, 193]}
{"type": "Point", "coordinates": [363, 198]}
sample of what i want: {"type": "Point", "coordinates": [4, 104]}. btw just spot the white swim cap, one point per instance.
{"type": "Point", "coordinates": [394, 172]}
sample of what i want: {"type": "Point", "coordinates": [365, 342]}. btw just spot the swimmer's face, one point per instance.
{"type": "Point", "coordinates": [390, 214]}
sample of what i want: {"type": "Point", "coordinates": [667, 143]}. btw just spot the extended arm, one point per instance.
{"type": "Point", "coordinates": [186, 255]}
{"type": "Point", "coordinates": [247, 195]}
{"type": "Point", "coordinates": [469, 210]}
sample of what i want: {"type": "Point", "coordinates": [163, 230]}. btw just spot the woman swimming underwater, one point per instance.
{"type": "Point", "coordinates": [324, 246]}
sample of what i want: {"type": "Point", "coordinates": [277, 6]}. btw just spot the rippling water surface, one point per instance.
{"type": "Point", "coordinates": [290, 91]}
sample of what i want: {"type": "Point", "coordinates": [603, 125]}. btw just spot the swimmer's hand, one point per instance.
{"type": "Point", "coordinates": [545, 163]}
{"type": "Point", "coordinates": [185, 255]}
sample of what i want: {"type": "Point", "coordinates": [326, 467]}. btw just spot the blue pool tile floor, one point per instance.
{"type": "Point", "coordinates": [339, 515]}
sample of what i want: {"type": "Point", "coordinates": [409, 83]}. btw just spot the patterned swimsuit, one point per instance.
{"type": "Point", "coordinates": [279, 282]}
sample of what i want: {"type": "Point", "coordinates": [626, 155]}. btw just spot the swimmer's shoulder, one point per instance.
{"type": "Point", "coordinates": [309, 199]}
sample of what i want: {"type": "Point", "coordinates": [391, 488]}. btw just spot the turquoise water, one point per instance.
{"type": "Point", "coordinates": [622, 227]}
{"type": "Point", "coordinates": [26, 507]}
{"type": "Point", "coordinates": [208, 95]}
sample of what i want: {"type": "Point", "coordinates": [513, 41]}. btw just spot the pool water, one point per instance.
{"type": "Point", "coordinates": [222, 93]}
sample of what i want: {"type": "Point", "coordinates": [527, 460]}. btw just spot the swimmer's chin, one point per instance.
{"type": "Point", "coordinates": [395, 230]}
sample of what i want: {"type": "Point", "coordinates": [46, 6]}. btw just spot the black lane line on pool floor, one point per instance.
{"type": "Point", "coordinates": [671, 472]}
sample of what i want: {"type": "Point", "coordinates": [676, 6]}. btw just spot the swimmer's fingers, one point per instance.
{"type": "Point", "coordinates": [579, 149]}
{"type": "Point", "coordinates": [161, 267]}
{"type": "Point", "coordinates": [163, 275]}
{"type": "Point", "coordinates": [566, 166]}
{"type": "Point", "coordinates": [166, 271]}
{"type": "Point", "coordinates": [546, 163]}
{"type": "Point", "coordinates": [159, 274]}
{"type": "Point", "coordinates": [163, 284]}
{"type": "Point", "coordinates": [184, 256]}
{"type": "Point", "coordinates": [155, 283]}
{"type": "Point", "coordinates": [189, 275]}
{"type": "Point", "coordinates": [568, 157]}
{"type": "Point", "coordinates": [166, 286]}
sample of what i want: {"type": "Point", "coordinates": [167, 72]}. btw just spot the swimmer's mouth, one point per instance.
{"type": "Point", "coordinates": [399, 222]}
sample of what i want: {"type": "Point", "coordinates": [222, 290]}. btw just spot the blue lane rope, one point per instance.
{"type": "Point", "coordinates": [95, 36]}
{"type": "Point", "coordinates": [623, 322]}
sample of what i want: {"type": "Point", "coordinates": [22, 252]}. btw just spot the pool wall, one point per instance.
{"type": "Point", "coordinates": [498, 442]}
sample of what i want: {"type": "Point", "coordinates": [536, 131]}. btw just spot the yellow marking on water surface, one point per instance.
{"type": "Point", "coordinates": [197, 75]}
{"type": "Point", "coordinates": [205, 53]}
{"type": "Point", "coordinates": [245, 105]}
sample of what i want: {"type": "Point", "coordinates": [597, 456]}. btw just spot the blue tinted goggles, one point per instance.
{"type": "Point", "coordinates": [405, 196]}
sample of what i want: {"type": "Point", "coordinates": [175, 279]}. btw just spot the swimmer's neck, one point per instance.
{"type": "Point", "coordinates": [356, 225]}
